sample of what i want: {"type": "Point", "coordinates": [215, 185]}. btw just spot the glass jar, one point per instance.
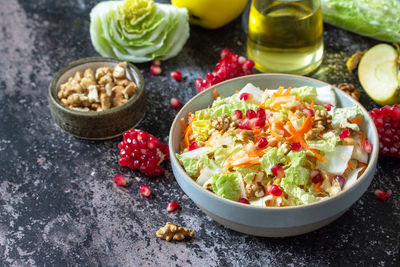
{"type": "Point", "coordinates": [285, 35]}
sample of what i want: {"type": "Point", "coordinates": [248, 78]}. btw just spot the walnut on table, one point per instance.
{"type": "Point", "coordinates": [171, 231]}
{"type": "Point", "coordinates": [105, 89]}
{"type": "Point", "coordinates": [349, 89]}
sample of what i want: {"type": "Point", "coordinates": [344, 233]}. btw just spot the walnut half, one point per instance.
{"type": "Point", "coordinates": [173, 231]}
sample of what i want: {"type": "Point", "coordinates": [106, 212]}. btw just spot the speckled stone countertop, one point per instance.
{"type": "Point", "coordinates": [58, 205]}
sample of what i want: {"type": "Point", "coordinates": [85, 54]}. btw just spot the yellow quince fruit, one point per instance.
{"type": "Point", "coordinates": [212, 14]}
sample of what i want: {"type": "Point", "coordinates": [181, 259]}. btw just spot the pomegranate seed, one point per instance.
{"type": "Point", "coordinates": [119, 180]}
{"type": "Point", "coordinates": [249, 64]}
{"type": "Point", "coordinates": [156, 62]}
{"type": "Point", "coordinates": [368, 147]}
{"type": "Point", "coordinates": [250, 114]}
{"type": "Point", "coordinates": [224, 52]}
{"type": "Point", "coordinates": [193, 146]}
{"type": "Point", "coordinates": [316, 179]}
{"type": "Point", "coordinates": [344, 134]}
{"type": "Point", "coordinates": [309, 112]}
{"type": "Point", "coordinates": [278, 171]}
{"type": "Point", "coordinates": [173, 205]}
{"type": "Point", "coordinates": [245, 125]}
{"type": "Point", "coordinates": [261, 112]}
{"type": "Point", "coordinates": [275, 190]}
{"type": "Point", "coordinates": [237, 115]}
{"type": "Point", "coordinates": [260, 122]}
{"type": "Point", "coordinates": [245, 96]}
{"type": "Point", "coordinates": [340, 180]}
{"type": "Point", "coordinates": [243, 200]}
{"type": "Point", "coordinates": [295, 146]}
{"type": "Point", "coordinates": [241, 60]}
{"type": "Point", "coordinates": [176, 75]}
{"type": "Point", "coordinates": [262, 142]}
{"type": "Point", "coordinates": [328, 107]}
{"type": "Point", "coordinates": [383, 195]}
{"type": "Point", "coordinates": [155, 70]}
{"type": "Point", "coordinates": [174, 102]}
{"type": "Point", "coordinates": [145, 190]}
{"type": "Point", "coordinates": [146, 152]}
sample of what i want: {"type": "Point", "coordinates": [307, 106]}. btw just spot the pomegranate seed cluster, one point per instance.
{"type": "Point", "coordinates": [142, 151]}
{"type": "Point", "coordinates": [229, 66]}
{"type": "Point", "coordinates": [387, 121]}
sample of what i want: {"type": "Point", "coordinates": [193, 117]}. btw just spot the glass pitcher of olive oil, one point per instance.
{"type": "Point", "coordinates": [285, 35]}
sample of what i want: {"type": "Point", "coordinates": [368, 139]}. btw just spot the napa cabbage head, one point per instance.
{"type": "Point", "coordinates": [138, 30]}
{"type": "Point", "coordinates": [378, 19]}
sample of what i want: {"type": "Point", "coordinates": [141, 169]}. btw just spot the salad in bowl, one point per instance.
{"type": "Point", "coordinates": [275, 148]}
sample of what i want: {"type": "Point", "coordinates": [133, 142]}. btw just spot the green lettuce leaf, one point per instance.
{"type": "Point", "coordinates": [327, 144]}
{"type": "Point", "coordinates": [298, 194]}
{"type": "Point", "coordinates": [192, 166]}
{"type": "Point", "coordinates": [340, 116]}
{"type": "Point", "coordinates": [222, 153]}
{"type": "Point", "coordinates": [378, 19]}
{"type": "Point", "coordinates": [272, 157]}
{"type": "Point", "coordinates": [306, 93]}
{"type": "Point", "coordinates": [248, 172]}
{"type": "Point", "coordinates": [226, 185]}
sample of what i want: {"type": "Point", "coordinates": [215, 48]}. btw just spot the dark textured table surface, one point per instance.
{"type": "Point", "coordinates": [58, 205]}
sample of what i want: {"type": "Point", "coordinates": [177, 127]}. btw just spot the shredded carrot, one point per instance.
{"type": "Point", "coordinates": [256, 132]}
{"type": "Point", "coordinates": [307, 125]}
{"type": "Point", "coordinates": [269, 123]}
{"type": "Point", "coordinates": [312, 104]}
{"type": "Point", "coordinates": [262, 105]}
{"type": "Point", "coordinates": [236, 92]}
{"type": "Point", "coordinates": [287, 92]}
{"type": "Point", "coordinates": [362, 165]}
{"type": "Point", "coordinates": [189, 130]}
{"type": "Point", "coordinates": [363, 138]}
{"type": "Point", "coordinates": [183, 125]}
{"type": "Point", "coordinates": [258, 153]}
{"type": "Point", "coordinates": [349, 166]}
{"type": "Point", "coordinates": [317, 155]}
{"type": "Point", "coordinates": [318, 187]}
{"type": "Point", "coordinates": [277, 136]}
{"type": "Point", "coordinates": [357, 119]}
{"type": "Point", "coordinates": [215, 94]}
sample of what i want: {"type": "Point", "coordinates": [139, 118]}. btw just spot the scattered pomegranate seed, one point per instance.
{"type": "Point", "coordinates": [261, 113]}
{"type": "Point", "coordinates": [155, 70]}
{"type": "Point", "coordinates": [275, 190]}
{"type": "Point", "coordinates": [156, 62]}
{"type": "Point", "coordinates": [328, 107]}
{"type": "Point", "coordinates": [119, 180]}
{"type": "Point", "coordinates": [295, 146]}
{"type": "Point", "coordinates": [145, 190]}
{"type": "Point", "coordinates": [250, 114]}
{"type": "Point", "coordinates": [367, 146]}
{"type": "Point", "coordinates": [174, 102]}
{"type": "Point", "coordinates": [262, 142]}
{"type": "Point", "coordinates": [237, 115]}
{"type": "Point", "coordinates": [344, 134]}
{"type": "Point", "coordinates": [309, 112]}
{"type": "Point", "coordinates": [173, 205]}
{"type": "Point", "coordinates": [243, 200]}
{"type": "Point", "coordinates": [340, 180]}
{"type": "Point", "coordinates": [193, 146]}
{"type": "Point", "coordinates": [387, 122]}
{"type": "Point", "coordinates": [383, 195]}
{"type": "Point", "coordinates": [245, 96]}
{"type": "Point", "coordinates": [147, 152]}
{"type": "Point", "coordinates": [278, 171]}
{"type": "Point", "coordinates": [229, 66]}
{"type": "Point", "coordinates": [176, 75]}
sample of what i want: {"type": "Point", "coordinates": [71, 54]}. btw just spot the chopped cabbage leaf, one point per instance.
{"type": "Point", "coordinates": [226, 185]}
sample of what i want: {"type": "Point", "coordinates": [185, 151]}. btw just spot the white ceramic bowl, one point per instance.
{"type": "Point", "coordinates": [271, 221]}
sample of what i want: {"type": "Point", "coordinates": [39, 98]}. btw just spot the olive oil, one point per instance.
{"type": "Point", "coordinates": [285, 36]}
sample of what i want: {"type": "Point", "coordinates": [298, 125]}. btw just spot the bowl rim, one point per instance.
{"type": "Point", "coordinates": [53, 84]}
{"type": "Point", "coordinates": [373, 156]}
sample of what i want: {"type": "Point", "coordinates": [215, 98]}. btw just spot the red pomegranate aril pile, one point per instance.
{"type": "Point", "coordinates": [229, 66]}
{"type": "Point", "coordinates": [245, 96]}
{"type": "Point", "coordinates": [174, 102]}
{"type": "Point", "coordinates": [147, 152]}
{"type": "Point", "coordinates": [119, 180]}
{"type": "Point", "coordinates": [344, 134]}
{"type": "Point", "coordinates": [382, 194]}
{"type": "Point", "coordinates": [340, 180]}
{"type": "Point", "coordinates": [278, 171]}
{"type": "Point", "coordinates": [155, 68]}
{"type": "Point", "coordinates": [367, 146]}
{"type": "Point", "coordinates": [193, 146]}
{"type": "Point", "coordinates": [328, 107]}
{"type": "Point", "coordinates": [275, 190]}
{"type": "Point", "coordinates": [250, 114]}
{"type": "Point", "coordinates": [173, 205]}
{"type": "Point", "coordinates": [237, 115]}
{"type": "Point", "coordinates": [176, 75]}
{"type": "Point", "coordinates": [295, 146]}
{"type": "Point", "coordinates": [243, 200]}
{"type": "Point", "coordinates": [262, 142]}
{"type": "Point", "coordinates": [387, 122]}
{"type": "Point", "coordinates": [145, 190]}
